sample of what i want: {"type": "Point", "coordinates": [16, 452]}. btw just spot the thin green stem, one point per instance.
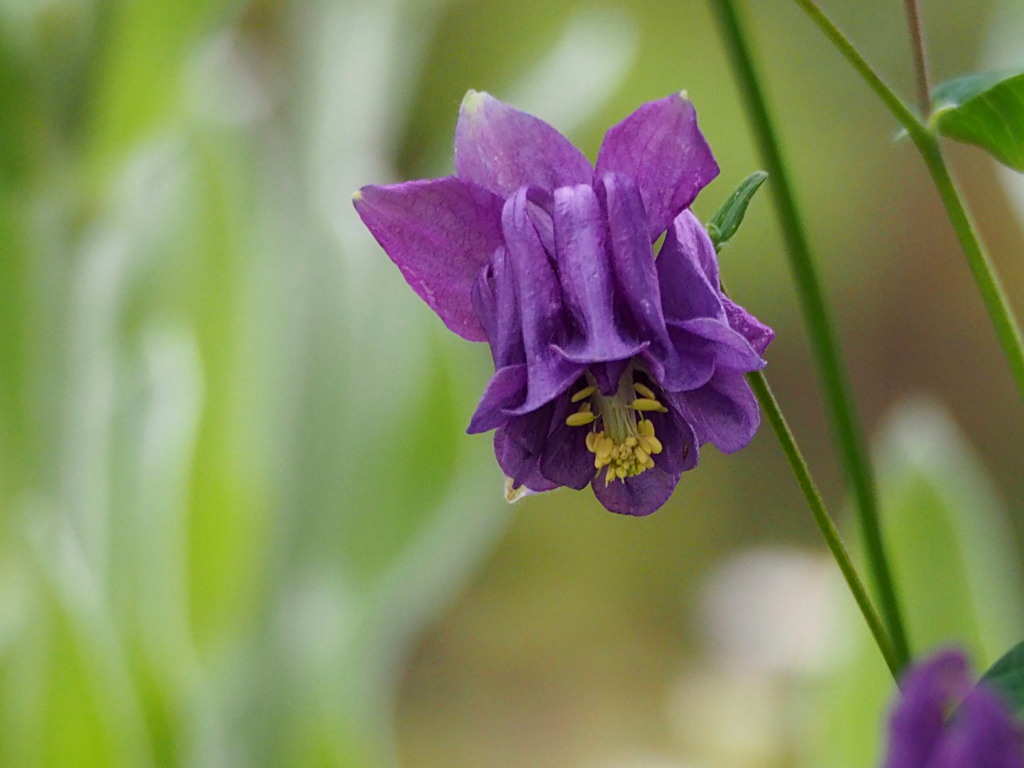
{"type": "Point", "coordinates": [986, 279]}
{"type": "Point", "coordinates": [770, 406]}
{"type": "Point", "coordinates": [895, 104]}
{"type": "Point", "coordinates": [992, 294]}
{"type": "Point", "coordinates": [924, 102]}
{"type": "Point", "coordinates": [823, 340]}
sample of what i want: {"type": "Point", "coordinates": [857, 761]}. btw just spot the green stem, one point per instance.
{"type": "Point", "coordinates": [823, 340]}
{"type": "Point", "coordinates": [992, 294]}
{"type": "Point", "coordinates": [770, 406]}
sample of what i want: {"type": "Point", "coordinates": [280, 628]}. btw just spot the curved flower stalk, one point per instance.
{"type": "Point", "coordinates": [612, 368]}
{"type": "Point", "coordinates": [980, 732]}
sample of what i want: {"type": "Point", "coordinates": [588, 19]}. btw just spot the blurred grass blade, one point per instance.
{"type": "Point", "coordinates": [986, 110]}
{"type": "Point", "coordinates": [727, 219]}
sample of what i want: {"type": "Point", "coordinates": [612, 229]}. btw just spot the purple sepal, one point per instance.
{"type": "Point", "coordinates": [439, 233]}
{"type": "Point", "coordinates": [502, 149]}
{"type": "Point", "coordinates": [661, 148]}
{"type": "Point", "coordinates": [723, 412]}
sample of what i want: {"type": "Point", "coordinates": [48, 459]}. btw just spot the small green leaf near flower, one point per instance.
{"type": "Point", "coordinates": [727, 219]}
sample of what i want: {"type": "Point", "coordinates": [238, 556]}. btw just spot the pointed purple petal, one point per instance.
{"type": "Point", "coordinates": [566, 460]}
{"type": "Point", "coordinates": [757, 334]}
{"type": "Point", "coordinates": [723, 412]}
{"type": "Point", "coordinates": [638, 496]}
{"type": "Point", "coordinates": [686, 290]}
{"type": "Point", "coordinates": [663, 150]}
{"type": "Point", "coordinates": [693, 361]}
{"type": "Point", "coordinates": [680, 444]}
{"type": "Point", "coordinates": [518, 445]}
{"type": "Point", "coordinates": [505, 391]}
{"type": "Point", "coordinates": [540, 306]}
{"type": "Point", "coordinates": [731, 351]}
{"type": "Point", "coordinates": [917, 723]}
{"type": "Point", "coordinates": [503, 149]}
{"type": "Point", "coordinates": [585, 275]}
{"type": "Point", "coordinates": [439, 233]}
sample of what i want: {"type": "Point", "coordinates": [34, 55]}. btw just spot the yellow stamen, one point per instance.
{"type": "Point", "coordinates": [583, 394]}
{"type": "Point", "coordinates": [647, 404]}
{"type": "Point", "coordinates": [644, 391]}
{"type": "Point", "coordinates": [580, 418]}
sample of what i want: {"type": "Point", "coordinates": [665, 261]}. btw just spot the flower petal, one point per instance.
{"type": "Point", "coordinates": [518, 445]}
{"type": "Point", "coordinates": [439, 233]}
{"type": "Point", "coordinates": [731, 350]}
{"type": "Point", "coordinates": [723, 412]}
{"type": "Point", "coordinates": [917, 723]}
{"type": "Point", "coordinates": [494, 299]}
{"type": "Point", "coordinates": [505, 391]}
{"type": "Point", "coordinates": [680, 445]}
{"type": "Point", "coordinates": [566, 460]}
{"type": "Point", "coordinates": [686, 289]}
{"type": "Point", "coordinates": [981, 734]}
{"type": "Point", "coordinates": [757, 334]}
{"type": "Point", "coordinates": [586, 278]}
{"type": "Point", "coordinates": [663, 150]}
{"type": "Point", "coordinates": [503, 149]}
{"type": "Point", "coordinates": [636, 279]}
{"type": "Point", "coordinates": [540, 305]}
{"type": "Point", "coordinates": [639, 495]}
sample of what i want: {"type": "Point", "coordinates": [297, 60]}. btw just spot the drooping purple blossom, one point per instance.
{"type": "Point", "coordinates": [612, 367]}
{"type": "Point", "coordinates": [942, 720]}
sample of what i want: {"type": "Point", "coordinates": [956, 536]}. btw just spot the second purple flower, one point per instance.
{"type": "Point", "coordinates": [612, 367]}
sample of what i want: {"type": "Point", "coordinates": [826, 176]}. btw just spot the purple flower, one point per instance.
{"type": "Point", "coordinates": [980, 732]}
{"type": "Point", "coordinates": [611, 367]}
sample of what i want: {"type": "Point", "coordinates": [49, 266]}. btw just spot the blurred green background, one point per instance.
{"type": "Point", "coordinates": [241, 524]}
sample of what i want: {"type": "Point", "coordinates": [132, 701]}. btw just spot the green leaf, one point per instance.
{"type": "Point", "coordinates": [986, 110]}
{"type": "Point", "coordinates": [727, 219]}
{"type": "Point", "coordinates": [1007, 676]}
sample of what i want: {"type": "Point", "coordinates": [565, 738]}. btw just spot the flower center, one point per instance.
{"type": "Point", "coordinates": [624, 445]}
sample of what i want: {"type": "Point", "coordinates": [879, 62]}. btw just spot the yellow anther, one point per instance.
{"type": "Point", "coordinates": [644, 391]}
{"type": "Point", "coordinates": [580, 418]}
{"type": "Point", "coordinates": [623, 443]}
{"type": "Point", "coordinates": [583, 394]}
{"type": "Point", "coordinates": [651, 444]}
{"type": "Point", "coordinates": [647, 404]}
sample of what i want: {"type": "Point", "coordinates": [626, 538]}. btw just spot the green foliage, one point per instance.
{"type": "Point", "coordinates": [727, 219]}
{"type": "Point", "coordinates": [1007, 676]}
{"type": "Point", "coordinates": [986, 110]}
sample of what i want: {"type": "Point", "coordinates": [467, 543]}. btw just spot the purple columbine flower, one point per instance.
{"type": "Point", "coordinates": [943, 721]}
{"type": "Point", "coordinates": [612, 367]}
